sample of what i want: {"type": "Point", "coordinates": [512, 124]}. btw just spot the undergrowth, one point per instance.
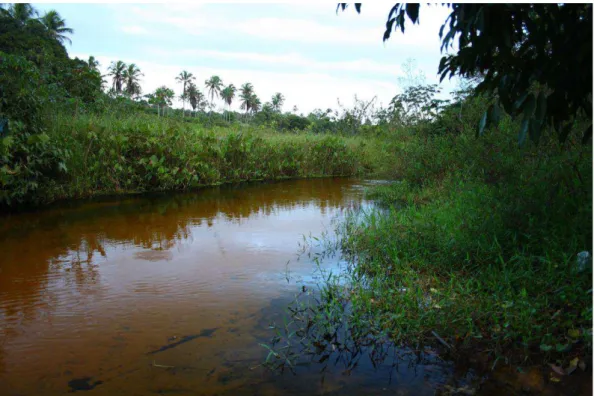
{"type": "Point", "coordinates": [88, 155]}
{"type": "Point", "coordinates": [473, 249]}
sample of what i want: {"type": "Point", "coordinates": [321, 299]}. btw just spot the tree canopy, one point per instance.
{"type": "Point", "coordinates": [536, 59]}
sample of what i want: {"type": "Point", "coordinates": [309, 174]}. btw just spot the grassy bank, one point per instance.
{"type": "Point", "coordinates": [91, 155]}
{"type": "Point", "coordinates": [473, 249]}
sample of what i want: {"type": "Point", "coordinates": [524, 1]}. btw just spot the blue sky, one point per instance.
{"type": "Point", "coordinates": [306, 51]}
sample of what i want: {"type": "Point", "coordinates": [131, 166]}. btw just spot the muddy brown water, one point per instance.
{"type": "Point", "coordinates": [172, 294]}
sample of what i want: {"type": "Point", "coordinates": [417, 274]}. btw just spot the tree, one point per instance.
{"type": "Point", "coordinates": [163, 97]}
{"type": "Point", "coordinates": [277, 101]}
{"type": "Point", "coordinates": [415, 105]}
{"type": "Point", "coordinates": [228, 94]}
{"type": "Point", "coordinates": [22, 13]}
{"type": "Point", "coordinates": [56, 26]}
{"type": "Point", "coordinates": [214, 86]}
{"type": "Point", "coordinates": [255, 103]}
{"type": "Point", "coordinates": [131, 77]}
{"type": "Point", "coordinates": [195, 97]}
{"type": "Point", "coordinates": [536, 60]}
{"type": "Point", "coordinates": [93, 63]}
{"type": "Point", "coordinates": [184, 78]}
{"type": "Point", "coordinates": [117, 71]}
{"type": "Point", "coordinates": [81, 81]}
{"type": "Point", "coordinates": [22, 34]}
{"type": "Point", "coordinates": [247, 91]}
{"type": "Point", "coordinates": [412, 76]}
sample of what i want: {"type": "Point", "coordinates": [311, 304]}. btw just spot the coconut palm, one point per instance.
{"type": "Point", "coordinates": [255, 104]}
{"type": "Point", "coordinates": [247, 91]}
{"type": "Point", "coordinates": [194, 95]}
{"type": "Point", "coordinates": [56, 26]}
{"type": "Point", "coordinates": [228, 94]}
{"type": "Point", "coordinates": [277, 101]}
{"type": "Point", "coordinates": [131, 77]}
{"type": "Point", "coordinates": [184, 78]}
{"type": "Point", "coordinates": [93, 63]}
{"type": "Point", "coordinates": [214, 85]}
{"type": "Point", "coordinates": [23, 13]}
{"type": "Point", "coordinates": [117, 70]}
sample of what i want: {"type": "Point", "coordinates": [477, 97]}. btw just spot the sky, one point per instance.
{"type": "Point", "coordinates": [307, 51]}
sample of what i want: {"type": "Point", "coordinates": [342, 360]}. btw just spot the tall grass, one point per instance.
{"type": "Point", "coordinates": [474, 247]}
{"type": "Point", "coordinates": [138, 152]}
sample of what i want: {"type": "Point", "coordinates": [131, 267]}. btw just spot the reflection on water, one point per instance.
{"type": "Point", "coordinates": [170, 294]}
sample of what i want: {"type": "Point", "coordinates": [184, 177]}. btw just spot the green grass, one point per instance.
{"type": "Point", "coordinates": [476, 242]}
{"type": "Point", "coordinates": [92, 155]}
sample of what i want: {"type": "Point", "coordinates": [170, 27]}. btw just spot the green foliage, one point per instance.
{"type": "Point", "coordinates": [415, 105]}
{"type": "Point", "coordinates": [535, 58]}
{"type": "Point", "coordinates": [292, 122]}
{"type": "Point", "coordinates": [20, 90]}
{"type": "Point", "coordinates": [476, 241]}
{"type": "Point", "coordinates": [82, 81]}
{"type": "Point", "coordinates": [31, 40]}
{"type": "Point", "coordinates": [27, 156]}
{"type": "Point", "coordinates": [105, 154]}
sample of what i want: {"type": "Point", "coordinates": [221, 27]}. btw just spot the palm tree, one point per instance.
{"type": "Point", "coordinates": [23, 13]}
{"type": "Point", "coordinates": [56, 26]}
{"type": "Point", "coordinates": [184, 78]}
{"type": "Point", "coordinates": [255, 103]}
{"type": "Point", "coordinates": [131, 77]}
{"type": "Point", "coordinates": [277, 101]}
{"type": "Point", "coordinates": [163, 97]}
{"type": "Point", "coordinates": [93, 63]}
{"type": "Point", "coordinates": [247, 91]}
{"type": "Point", "coordinates": [228, 94]}
{"type": "Point", "coordinates": [214, 85]}
{"type": "Point", "coordinates": [194, 95]}
{"type": "Point", "coordinates": [117, 70]}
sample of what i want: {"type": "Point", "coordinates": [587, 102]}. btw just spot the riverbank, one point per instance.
{"type": "Point", "coordinates": [474, 251]}
{"type": "Point", "coordinates": [87, 155]}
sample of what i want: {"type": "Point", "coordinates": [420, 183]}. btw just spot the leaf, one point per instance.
{"type": "Point", "coordinates": [572, 366]}
{"type": "Point", "coordinates": [520, 100]}
{"type": "Point", "coordinates": [557, 369]}
{"type": "Point", "coordinates": [541, 108]}
{"type": "Point", "coordinates": [534, 130]}
{"type": "Point", "coordinates": [564, 131]}
{"type": "Point", "coordinates": [495, 114]}
{"type": "Point", "coordinates": [401, 20]}
{"type": "Point", "coordinates": [529, 106]}
{"type": "Point", "coordinates": [545, 347]}
{"type": "Point", "coordinates": [587, 135]}
{"type": "Point", "coordinates": [574, 333]}
{"type": "Point", "coordinates": [389, 26]}
{"type": "Point", "coordinates": [482, 124]}
{"type": "Point", "coordinates": [523, 132]}
{"type": "Point", "coordinates": [412, 10]}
